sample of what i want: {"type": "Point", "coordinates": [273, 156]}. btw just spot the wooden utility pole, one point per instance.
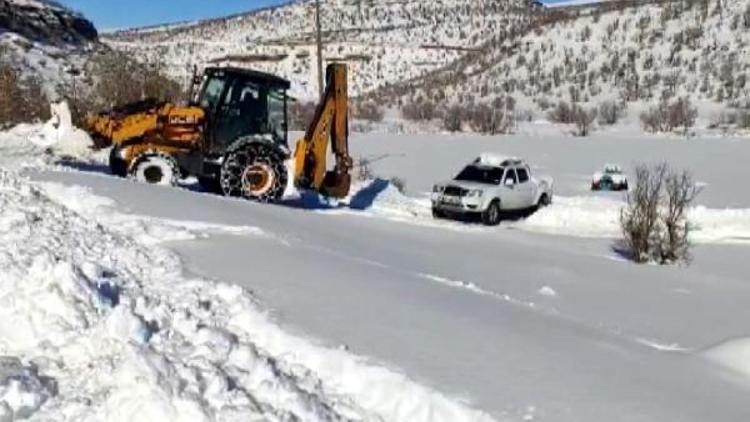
{"type": "Point", "coordinates": [319, 42]}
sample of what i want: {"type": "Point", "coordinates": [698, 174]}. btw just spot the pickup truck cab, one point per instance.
{"type": "Point", "coordinates": [490, 186]}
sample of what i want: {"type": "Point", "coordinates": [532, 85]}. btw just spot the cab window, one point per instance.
{"type": "Point", "coordinates": [523, 175]}
{"type": "Point", "coordinates": [511, 175]}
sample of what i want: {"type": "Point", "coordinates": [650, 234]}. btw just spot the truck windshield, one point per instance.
{"type": "Point", "coordinates": [487, 175]}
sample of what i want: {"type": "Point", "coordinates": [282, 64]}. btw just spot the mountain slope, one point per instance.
{"type": "Point", "coordinates": [45, 40]}
{"type": "Point", "coordinates": [384, 42]}
{"type": "Point", "coordinates": [644, 53]}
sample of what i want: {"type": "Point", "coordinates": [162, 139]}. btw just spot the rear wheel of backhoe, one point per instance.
{"type": "Point", "coordinates": [155, 169]}
{"type": "Point", "coordinates": [254, 172]}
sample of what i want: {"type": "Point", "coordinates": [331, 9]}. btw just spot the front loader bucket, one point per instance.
{"type": "Point", "coordinates": [336, 185]}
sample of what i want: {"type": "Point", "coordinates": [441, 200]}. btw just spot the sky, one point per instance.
{"type": "Point", "coordinates": [120, 14]}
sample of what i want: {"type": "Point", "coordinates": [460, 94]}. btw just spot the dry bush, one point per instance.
{"type": "Point", "coordinates": [398, 183]}
{"type": "Point", "coordinates": [669, 116]}
{"type": "Point", "coordinates": [364, 169]}
{"type": "Point", "coordinates": [562, 113]}
{"type": "Point", "coordinates": [491, 120]}
{"type": "Point", "coordinates": [368, 110]}
{"type": "Point", "coordinates": [654, 222]}
{"type": "Point", "coordinates": [584, 120]}
{"type": "Point", "coordinates": [113, 79]}
{"type": "Point", "coordinates": [610, 112]}
{"type": "Point", "coordinates": [419, 110]}
{"type": "Point", "coordinates": [453, 118]}
{"type": "Point", "coordinates": [22, 100]}
{"type": "Point", "coordinates": [301, 114]}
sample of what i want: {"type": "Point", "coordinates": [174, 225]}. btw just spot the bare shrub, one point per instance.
{"type": "Point", "coordinates": [562, 113]}
{"type": "Point", "coordinates": [419, 110]}
{"type": "Point", "coordinates": [398, 183]}
{"type": "Point", "coordinates": [364, 169]}
{"type": "Point", "coordinates": [743, 119]}
{"type": "Point", "coordinates": [301, 114]}
{"type": "Point", "coordinates": [453, 118]}
{"type": "Point", "coordinates": [487, 119]}
{"type": "Point", "coordinates": [584, 120]}
{"type": "Point", "coordinates": [22, 100]}
{"type": "Point", "coordinates": [118, 80]}
{"type": "Point", "coordinates": [368, 110]}
{"type": "Point", "coordinates": [610, 112]}
{"type": "Point", "coordinates": [654, 222]}
{"type": "Point", "coordinates": [667, 117]}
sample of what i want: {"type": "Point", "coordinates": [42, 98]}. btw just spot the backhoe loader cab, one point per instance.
{"type": "Point", "coordinates": [241, 102]}
{"type": "Point", "coordinates": [232, 137]}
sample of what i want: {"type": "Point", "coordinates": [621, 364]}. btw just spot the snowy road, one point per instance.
{"type": "Point", "coordinates": [526, 326]}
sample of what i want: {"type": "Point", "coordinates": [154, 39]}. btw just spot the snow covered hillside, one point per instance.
{"type": "Point", "coordinates": [44, 40]}
{"type": "Point", "coordinates": [384, 41]}
{"type": "Point", "coordinates": [697, 49]}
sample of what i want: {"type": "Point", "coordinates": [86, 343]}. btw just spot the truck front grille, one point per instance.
{"type": "Point", "coordinates": [454, 191]}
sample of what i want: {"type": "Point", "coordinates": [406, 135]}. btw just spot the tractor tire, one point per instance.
{"type": "Point", "coordinates": [492, 215]}
{"type": "Point", "coordinates": [117, 166]}
{"type": "Point", "coordinates": [155, 168]}
{"type": "Point", "coordinates": [254, 171]}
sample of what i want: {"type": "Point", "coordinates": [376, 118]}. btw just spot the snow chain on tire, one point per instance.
{"type": "Point", "coordinates": [254, 170]}
{"type": "Point", "coordinates": [156, 168]}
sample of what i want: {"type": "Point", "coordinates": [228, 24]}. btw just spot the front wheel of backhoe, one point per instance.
{"type": "Point", "coordinates": [254, 172]}
{"type": "Point", "coordinates": [155, 169]}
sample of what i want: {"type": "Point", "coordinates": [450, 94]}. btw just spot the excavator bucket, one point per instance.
{"type": "Point", "coordinates": [330, 125]}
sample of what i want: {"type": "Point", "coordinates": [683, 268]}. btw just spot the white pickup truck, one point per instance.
{"type": "Point", "coordinates": [490, 186]}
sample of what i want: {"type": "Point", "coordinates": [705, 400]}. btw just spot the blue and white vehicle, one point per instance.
{"type": "Point", "coordinates": [612, 178]}
{"type": "Point", "coordinates": [490, 186]}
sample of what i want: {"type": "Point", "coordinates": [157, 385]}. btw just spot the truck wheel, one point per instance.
{"type": "Point", "coordinates": [544, 201]}
{"type": "Point", "coordinates": [254, 172]}
{"type": "Point", "coordinates": [117, 165]}
{"type": "Point", "coordinates": [437, 214]}
{"type": "Point", "coordinates": [155, 169]}
{"type": "Point", "coordinates": [491, 216]}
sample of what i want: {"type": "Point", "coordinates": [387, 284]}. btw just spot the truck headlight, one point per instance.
{"type": "Point", "coordinates": [476, 193]}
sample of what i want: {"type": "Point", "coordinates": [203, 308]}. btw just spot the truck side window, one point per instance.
{"type": "Point", "coordinates": [523, 175]}
{"type": "Point", "coordinates": [510, 174]}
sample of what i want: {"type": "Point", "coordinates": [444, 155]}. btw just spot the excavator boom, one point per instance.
{"type": "Point", "coordinates": [330, 124]}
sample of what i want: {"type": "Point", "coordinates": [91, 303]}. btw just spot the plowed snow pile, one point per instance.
{"type": "Point", "coordinates": [96, 324]}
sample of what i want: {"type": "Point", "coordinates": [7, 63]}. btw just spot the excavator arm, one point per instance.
{"type": "Point", "coordinates": [330, 125]}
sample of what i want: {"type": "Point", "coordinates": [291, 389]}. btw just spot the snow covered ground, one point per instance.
{"type": "Point", "coordinates": [139, 298]}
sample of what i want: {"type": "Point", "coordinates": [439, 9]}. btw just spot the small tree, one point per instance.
{"type": "Point", "coordinates": [419, 110]}
{"type": "Point", "coordinates": [610, 112]}
{"type": "Point", "coordinates": [301, 113]}
{"type": "Point", "coordinates": [584, 120]}
{"type": "Point", "coordinates": [491, 120]}
{"type": "Point", "coordinates": [453, 118]}
{"type": "Point", "coordinates": [654, 222]}
{"type": "Point", "coordinates": [369, 111]}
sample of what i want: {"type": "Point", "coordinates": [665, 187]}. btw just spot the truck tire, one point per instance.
{"type": "Point", "coordinates": [437, 214]}
{"type": "Point", "coordinates": [254, 171]}
{"type": "Point", "coordinates": [544, 201]}
{"type": "Point", "coordinates": [155, 168]}
{"type": "Point", "coordinates": [492, 215]}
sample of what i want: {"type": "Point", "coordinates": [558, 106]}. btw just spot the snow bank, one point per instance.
{"type": "Point", "coordinates": [61, 136]}
{"type": "Point", "coordinates": [594, 216]}
{"type": "Point", "coordinates": [733, 355]}
{"type": "Point", "coordinates": [119, 333]}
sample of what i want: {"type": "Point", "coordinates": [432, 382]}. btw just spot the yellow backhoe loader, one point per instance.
{"type": "Point", "coordinates": [232, 137]}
